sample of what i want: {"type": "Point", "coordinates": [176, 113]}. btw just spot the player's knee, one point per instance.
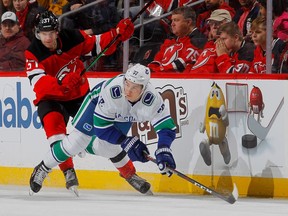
{"type": "Point", "coordinates": [106, 149]}
{"type": "Point", "coordinates": [76, 142]}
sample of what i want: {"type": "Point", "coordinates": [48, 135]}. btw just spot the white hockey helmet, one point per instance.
{"type": "Point", "coordinates": [138, 74]}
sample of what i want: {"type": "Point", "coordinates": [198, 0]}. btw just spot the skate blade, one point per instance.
{"type": "Point", "coordinates": [31, 193]}
{"type": "Point", "coordinates": [149, 193]}
{"type": "Point", "coordinates": [74, 190]}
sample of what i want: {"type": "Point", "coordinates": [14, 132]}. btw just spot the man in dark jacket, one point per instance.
{"type": "Point", "coordinates": [13, 43]}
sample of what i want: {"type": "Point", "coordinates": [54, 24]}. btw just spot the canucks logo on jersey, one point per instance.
{"type": "Point", "coordinates": [148, 98]}
{"type": "Point", "coordinates": [116, 92]}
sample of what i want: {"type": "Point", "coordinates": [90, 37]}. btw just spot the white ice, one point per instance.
{"type": "Point", "coordinates": [15, 201]}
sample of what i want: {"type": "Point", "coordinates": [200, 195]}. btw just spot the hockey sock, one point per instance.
{"type": "Point", "coordinates": [67, 164]}
{"type": "Point", "coordinates": [54, 124]}
{"type": "Point", "coordinates": [70, 146]}
{"type": "Point", "coordinates": [127, 170]}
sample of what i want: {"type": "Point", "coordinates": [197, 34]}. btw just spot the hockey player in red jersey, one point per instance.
{"type": "Point", "coordinates": [176, 53]}
{"type": "Point", "coordinates": [53, 66]}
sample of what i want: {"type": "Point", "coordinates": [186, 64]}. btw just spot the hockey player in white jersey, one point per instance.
{"type": "Point", "coordinates": [103, 121]}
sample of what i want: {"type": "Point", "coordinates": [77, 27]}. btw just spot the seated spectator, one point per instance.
{"type": "Point", "coordinates": [211, 5]}
{"type": "Point", "coordinates": [234, 4]}
{"type": "Point", "coordinates": [26, 11]}
{"type": "Point", "coordinates": [13, 43]}
{"type": "Point", "coordinates": [44, 3]}
{"type": "Point", "coordinates": [280, 18]}
{"type": "Point", "coordinates": [205, 63]}
{"type": "Point", "coordinates": [245, 15]}
{"type": "Point", "coordinates": [284, 60]}
{"type": "Point", "coordinates": [184, 48]}
{"type": "Point", "coordinates": [159, 7]}
{"type": "Point", "coordinates": [56, 6]}
{"type": "Point", "coordinates": [159, 29]}
{"type": "Point", "coordinates": [234, 54]}
{"type": "Point", "coordinates": [258, 30]}
{"type": "Point", "coordinates": [95, 19]}
{"type": "Point", "coordinates": [6, 5]}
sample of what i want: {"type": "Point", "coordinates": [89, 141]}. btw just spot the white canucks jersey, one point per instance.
{"type": "Point", "coordinates": [113, 107]}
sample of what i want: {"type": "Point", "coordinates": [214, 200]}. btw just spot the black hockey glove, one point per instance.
{"type": "Point", "coordinates": [165, 158]}
{"type": "Point", "coordinates": [135, 149]}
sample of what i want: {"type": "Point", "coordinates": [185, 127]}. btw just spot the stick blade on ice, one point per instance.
{"type": "Point", "coordinates": [234, 195]}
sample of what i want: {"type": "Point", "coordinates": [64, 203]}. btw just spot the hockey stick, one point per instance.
{"type": "Point", "coordinates": [115, 39]}
{"type": "Point", "coordinates": [230, 199]}
{"type": "Point", "coordinates": [257, 129]}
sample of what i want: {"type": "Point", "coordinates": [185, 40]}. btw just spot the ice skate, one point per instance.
{"type": "Point", "coordinates": [40, 172]}
{"type": "Point", "coordinates": [140, 184]}
{"type": "Point", "coordinates": [71, 181]}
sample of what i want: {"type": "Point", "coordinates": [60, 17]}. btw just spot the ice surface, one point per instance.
{"type": "Point", "coordinates": [15, 201]}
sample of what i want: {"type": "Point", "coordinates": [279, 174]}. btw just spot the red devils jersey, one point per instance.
{"type": "Point", "coordinates": [44, 67]}
{"type": "Point", "coordinates": [206, 61]}
{"type": "Point", "coordinates": [238, 62]}
{"type": "Point", "coordinates": [176, 53]}
{"type": "Point", "coordinates": [259, 62]}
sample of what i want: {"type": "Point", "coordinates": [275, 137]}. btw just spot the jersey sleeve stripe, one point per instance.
{"type": "Point", "coordinates": [166, 123]}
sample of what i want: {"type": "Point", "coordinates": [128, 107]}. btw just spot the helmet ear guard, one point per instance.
{"type": "Point", "coordinates": [37, 33]}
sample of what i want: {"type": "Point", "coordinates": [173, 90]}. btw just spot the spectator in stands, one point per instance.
{"type": "Point", "coordinates": [6, 5]}
{"type": "Point", "coordinates": [13, 43]}
{"type": "Point", "coordinates": [159, 7]}
{"type": "Point", "coordinates": [280, 18]}
{"type": "Point", "coordinates": [258, 30]}
{"type": "Point", "coordinates": [159, 29]}
{"type": "Point", "coordinates": [55, 6]}
{"type": "Point", "coordinates": [26, 11]}
{"type": "Point", "coordinates": [205, 63]}
{"type": "Point", "coordinates": [283, 68]}
{"type": "Point", "coordinates": [211, 5]}
{"type": "Point", "coordinates": [95, 20]}
{"type": "Point", "coordinates": [183, 49]}
{"type": "Point", "coordinates": [234, 4]}
{"type": "Point", "coordinates": [234, 54]}
{"type": "Point", "coordinates": [245, 15]}
{"type": "Point", "coordinates": [44, 3]}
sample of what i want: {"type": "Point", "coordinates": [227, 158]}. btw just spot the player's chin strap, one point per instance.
{"type": "Point", "coordinates": [230, 198]}
{"type": "Point", "coordinates": [115, 39]}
